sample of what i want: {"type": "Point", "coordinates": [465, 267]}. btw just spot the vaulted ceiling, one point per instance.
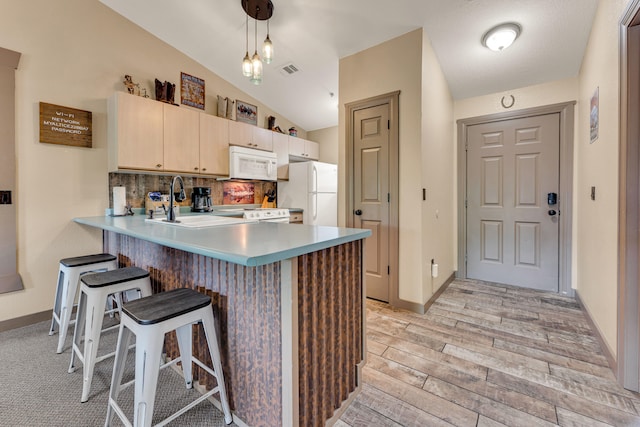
{"type": "Point", "coordinates": [313, 35]}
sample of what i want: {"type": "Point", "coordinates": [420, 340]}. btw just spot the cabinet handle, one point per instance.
{"type": "Point", "coordinates": [204, 169]}
{"type": "Point", "coordinates": [158, 165]}
{"type": "Point", "coordinates": [195, 169]}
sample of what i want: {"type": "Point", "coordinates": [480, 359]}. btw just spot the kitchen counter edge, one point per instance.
{"type": "Point", "coordinates": [251, 244]}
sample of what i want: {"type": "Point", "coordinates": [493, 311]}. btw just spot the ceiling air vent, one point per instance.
{"type": "Point", "coordinates": [289, 69]}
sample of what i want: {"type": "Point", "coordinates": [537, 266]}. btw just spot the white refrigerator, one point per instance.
{"type": "Point", "coordinates": [313, 187]}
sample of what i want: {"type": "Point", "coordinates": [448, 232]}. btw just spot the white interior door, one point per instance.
{"type": "Point", "coordinates": [512, 225]}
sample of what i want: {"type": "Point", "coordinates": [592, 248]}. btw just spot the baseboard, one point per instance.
{"type": "Point", "coordinates": [608, 354]}
{"type": "Point", "coordinates": [416, 307]}
{"type": "Point", "coordinates": [439, 292]}
{"type": "Point", "coordinates": [29, 319]}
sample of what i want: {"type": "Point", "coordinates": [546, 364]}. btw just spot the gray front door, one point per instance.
{"type": "Point", "coordinates": [512, 229]}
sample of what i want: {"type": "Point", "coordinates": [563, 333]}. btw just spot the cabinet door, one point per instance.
{"type": "Point", "coordinates": [312, 149]}
{"type": "Point", "coordinates": [262, 139]}
{"type": "Point", "coordinates": [136, 132]}
{"type": "Point", "coordinates": [296, 146]}
{"type": "Point", "coordinates": [241, 134]}
{"type": "Point", "coordinates": [181, 139]}
{"type": "Point", "coordinates": [214, 145]}
{"type": "Point", "coordinates": [281, 148]}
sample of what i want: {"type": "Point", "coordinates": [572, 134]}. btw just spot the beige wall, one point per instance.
{"type": "Point", "coordinates": [531, 96]}
{"type": "Point", "coordinates": [328, 139]}
{"type": "Point", "coordinates": [438, 166]}
{"type": "Point", "coordinates": [597, 165]}
{"type": "Point", "coordinates": [595, 223]}
{"type": "Point", "coordinates": [391, 66]}
{"type": "Point", "coordinates": [75, 53]}
{"type": "Point", "coordinates": [408, 64]}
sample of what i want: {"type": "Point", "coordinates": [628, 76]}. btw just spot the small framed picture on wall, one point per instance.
{"type": "Point", "coordinates": [192, 91]}
{"type": "Point", "coordinates": [246, 113]}
{"type": "Point", "coordinates": [594, 119]}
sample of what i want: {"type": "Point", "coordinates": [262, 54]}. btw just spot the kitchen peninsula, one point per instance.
{"type": "Point", "coordinates": [289, 300]}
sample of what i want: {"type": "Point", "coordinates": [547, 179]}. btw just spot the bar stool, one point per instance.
{"type": "Point", "coordinates": [95, 289]}
{"type": "Point", "coordinates": [149, 319]}
{"type": "Point", "coordinates": [68, 277]}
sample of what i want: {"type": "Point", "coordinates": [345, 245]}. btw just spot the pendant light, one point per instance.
{"type": "Point", "coordinates": [267, 48]}
{"type": "Point", "coordinates": [259, 10]}
{"type": "Point", "coordinates": [246, 62]}
{"type": "Point", "coordinates": [256, 62]}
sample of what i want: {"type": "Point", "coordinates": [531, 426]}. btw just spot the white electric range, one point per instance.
{"type": "Point", "coordinates": [267, 214]}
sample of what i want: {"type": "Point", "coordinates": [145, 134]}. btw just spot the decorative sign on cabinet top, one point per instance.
{"type": "Point", "coordinates": [65, 125]}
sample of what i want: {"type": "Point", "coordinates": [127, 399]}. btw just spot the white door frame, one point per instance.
{"type": "Point", "coordinates": [565, 197]}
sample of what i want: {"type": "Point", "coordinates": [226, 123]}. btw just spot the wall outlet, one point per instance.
{"type": "Point", "coordinates": [5, 197]}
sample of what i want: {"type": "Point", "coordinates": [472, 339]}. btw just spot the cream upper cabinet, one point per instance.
{"type": "Point", "coordinates": [262, 139]}
{"type": "Point", "coordinates": [281, 148]}
{"type": "Point", "coordinates": [250, 136]}
{"type": "Point", "coordinates": [181, 139]}
{"type": "Point", "coordinates": [135, 133]}
{"type": "Point", "coordinates": [303, 149]}
{"type": "Point", "coordinates": [214, 145]}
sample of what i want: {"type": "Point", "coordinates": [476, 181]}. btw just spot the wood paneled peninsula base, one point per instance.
{"type": "Point", "coordinates": [289, 300]}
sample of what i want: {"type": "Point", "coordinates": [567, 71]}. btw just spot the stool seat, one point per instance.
{"type": "Point", "coordinates": [70, 271]}
{"type": "Point", "coordinates": [149, 319]}
{"type": "Point", "coordinates": [95, 291]}
{"type": "Point", "coordinates": [165, 305]}
{"type": "Point", "coordinates": [113, 277]}
{"type": "Point", "coordinates": [86, 260]}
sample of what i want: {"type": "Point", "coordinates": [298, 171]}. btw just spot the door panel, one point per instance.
{"type": "Point", "coordinates": [371, 189]}
{"type": "Point", "coordinates": [511, 166]}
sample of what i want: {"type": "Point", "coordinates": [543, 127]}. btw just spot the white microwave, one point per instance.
{"type": "Point", "coordinates": [247, 163]}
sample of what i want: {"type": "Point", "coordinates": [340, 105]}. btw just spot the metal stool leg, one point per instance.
{"type": "Point", "coordinates": [78, 331]}
{"type": "Point", "coordinates": [186, 350]}
{"type": "Point", "coordinates": [122, 351]}
{"type": "Point", "coordinates": [57, 302]}
{"type": "Point", "coordinates": [69, 290]}
{"type": "Point", "coordinates": [148, 354]}
{"type": "Point", "coordinates": [214, 350]}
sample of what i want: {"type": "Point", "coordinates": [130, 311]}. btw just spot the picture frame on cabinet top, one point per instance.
{"type": "Point", "coordinates": [246, 113]}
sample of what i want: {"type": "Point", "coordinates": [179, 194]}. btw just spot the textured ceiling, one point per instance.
{"type": "Point", "coordinates": [315, 34]}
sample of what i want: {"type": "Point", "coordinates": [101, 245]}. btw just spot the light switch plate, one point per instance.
{"type": "Point", "coordinates": [5, 197]}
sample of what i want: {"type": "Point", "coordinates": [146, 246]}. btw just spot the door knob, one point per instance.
{"type": "Point", "coordinates": [552, 212]}
{"type": "Point", "coordinates": [358, 212]}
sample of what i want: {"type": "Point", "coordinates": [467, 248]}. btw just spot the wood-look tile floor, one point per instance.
{"type": "Point", "coordinates": [487, 355]}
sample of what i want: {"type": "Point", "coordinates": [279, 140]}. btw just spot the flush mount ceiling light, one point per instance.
{"type": "Point", "coordinates": [259, 10]}
{"type": "Point", "coordinates": [501, 36]}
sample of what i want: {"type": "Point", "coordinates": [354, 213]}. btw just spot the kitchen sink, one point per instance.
{"type": "Point", "coordinates": [196, 221]}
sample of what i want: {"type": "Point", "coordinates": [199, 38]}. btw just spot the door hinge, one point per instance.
{"type": "Point", "coordinates": [388, 124]}
{"type": "Point", "coordinates": [388, 269]}
{"type": "Point", "coordinates": [465, 203]}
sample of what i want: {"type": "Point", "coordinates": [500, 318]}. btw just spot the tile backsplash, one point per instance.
{"type": "Point", "coordinates": [138, 185]}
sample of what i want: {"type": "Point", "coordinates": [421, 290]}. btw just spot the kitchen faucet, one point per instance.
{"type": "Point", "coordinates": [171, 215]}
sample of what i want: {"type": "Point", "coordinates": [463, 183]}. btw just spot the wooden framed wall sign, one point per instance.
{"type": "Point", "coordinates": [65, 125]}
{"type": "Point", "coordinates": [192, 91]}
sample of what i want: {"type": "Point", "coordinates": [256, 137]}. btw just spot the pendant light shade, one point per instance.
{"type": "Point", "coordinates": [256, 62]}
{"type": "Point", "coordinates": [267, 48]}
{"type": "Point", "coordinates": [256, 75]}
{"type": "Point", "coordinates": [247, 66]}
{"type": "Point", "coordinates": [246, 62]}
{"type": "Point", "coordinates": [259, 10]}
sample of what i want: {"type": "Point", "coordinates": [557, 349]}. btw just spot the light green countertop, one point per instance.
{"type": "Point", "coordinates": [250, 244]}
